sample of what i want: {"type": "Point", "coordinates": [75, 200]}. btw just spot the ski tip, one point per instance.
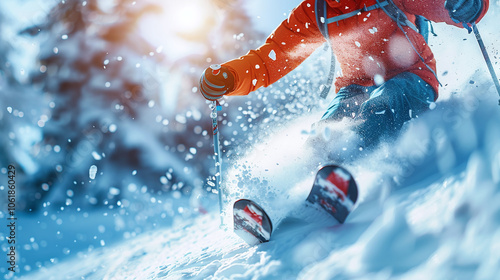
{"type": "Point", "coordinates": [334, 190]}
{"type": "Point", "coordinates": [251, 222]}
{"type": "Point", "coordinates": [352, 186]}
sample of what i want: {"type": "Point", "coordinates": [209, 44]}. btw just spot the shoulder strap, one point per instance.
{"type": "Point", "coordinates": [320, 12]}
{"type": "Point", "coordinates": [395, 13]}
{"type": "Point", "coordinates": [358, 11]}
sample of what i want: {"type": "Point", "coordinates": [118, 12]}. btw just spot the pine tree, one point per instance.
{"type": "Point", "coordinates": [100, 77]}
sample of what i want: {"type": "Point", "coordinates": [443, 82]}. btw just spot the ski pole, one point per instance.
{"type": "Point", "coordinates": [486, 58]}
{"type": "Point", "coordinates": [217, 156]}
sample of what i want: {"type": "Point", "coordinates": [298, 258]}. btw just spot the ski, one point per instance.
{"type": "Point", "coordinates": [251, 222]}
{"type": "Point", "coordinates": [335, 191]}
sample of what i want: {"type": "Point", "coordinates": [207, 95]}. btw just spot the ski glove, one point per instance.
{"type": "Point", "coordinates": [464, 11]}
{"type": "Point", "coordinates": [216, 81]}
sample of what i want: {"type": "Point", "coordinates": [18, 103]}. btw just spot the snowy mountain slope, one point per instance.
{"type": "Point", "coordinates": [428, 206]}
{"type": "Point", "coordinates": [444, 226]}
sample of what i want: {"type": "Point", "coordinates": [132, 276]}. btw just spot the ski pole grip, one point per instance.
{"type": "Point", "coordinates": [215, 69]}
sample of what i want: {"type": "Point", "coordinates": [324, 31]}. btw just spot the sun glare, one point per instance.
{"type": "Point", "coordinates": [189, 18]}
{"type": "Point", "coordinates": [180, 27]}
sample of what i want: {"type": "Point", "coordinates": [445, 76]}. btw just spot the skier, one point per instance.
{"type": "Point", "coordinates": [388, 70]}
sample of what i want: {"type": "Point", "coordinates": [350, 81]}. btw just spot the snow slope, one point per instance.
{"type": "Point", "coordinates": [445, 226]}
{"type": "Point", "coordinates": [428, 206]}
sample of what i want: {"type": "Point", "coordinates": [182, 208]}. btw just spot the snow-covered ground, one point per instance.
{"type": "Point", "coordinates": [428, 206]}
{"type": "Point", "coordinates": [417, 218]}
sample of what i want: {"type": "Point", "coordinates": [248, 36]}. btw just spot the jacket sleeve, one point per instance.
{"type": "Point", "coordinates": [434, 10]}
{"type": "Point", "coordinates": [287, 47]}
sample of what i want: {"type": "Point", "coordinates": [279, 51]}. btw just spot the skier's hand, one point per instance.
{"type": "Point", "coordinates": [464, 11]}
{"type": "Point", "coordinates": [216, 81]}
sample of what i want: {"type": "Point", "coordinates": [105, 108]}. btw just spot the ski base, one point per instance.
{"type": "Point", "coordinates": [335, 191]}
{"type": "Point", "coordinates": [251, 222]}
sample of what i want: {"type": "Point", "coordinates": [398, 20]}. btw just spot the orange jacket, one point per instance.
{"type": "Point", "coordinates": [365, 45]}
